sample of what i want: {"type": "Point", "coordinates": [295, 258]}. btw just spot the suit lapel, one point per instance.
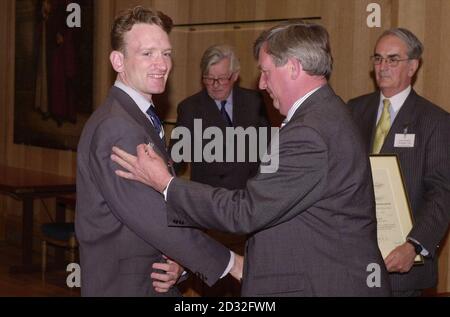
{"type": "Point", "coordinates": [370, 119]}
{"type": "Point", "coordinates": [403, 122]}
{"type": "Point", "coordinates": [239, 109]}
{"type": "Point", "coordinates": [133, 110]}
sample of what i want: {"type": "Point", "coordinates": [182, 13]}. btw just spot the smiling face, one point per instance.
{"type": "Point", "coordinates": [393, 79]}
{"type": "Point", "coordinates": [146, 63]}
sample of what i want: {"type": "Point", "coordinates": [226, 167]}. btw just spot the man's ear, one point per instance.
{"type": "Point", "coordinates": [413, 66]}
{"type": "Point", "coordinates": [116, 59]}
{"type": "Point", "coordinates": [295, 68]}
{"type": "Point", "coordinates": [235, 76]}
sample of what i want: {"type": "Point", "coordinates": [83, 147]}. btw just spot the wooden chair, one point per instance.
{"type": "Point", "coordinates": [60, 234]}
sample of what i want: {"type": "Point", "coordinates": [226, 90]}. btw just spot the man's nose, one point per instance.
{"type": "Point", "coordinates": [161, 62]}
{"type": "Point", "coordinates": [384, 63]}
{"type": "Point", "coordinates": [262, 82]}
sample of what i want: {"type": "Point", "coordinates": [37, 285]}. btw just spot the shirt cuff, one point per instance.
{"type": "Point", "coordinates": [230, 265]}
{"type": "Point", "coordinates": [167, 187]}
{"type": "Point", "coordinates": [424, 251]}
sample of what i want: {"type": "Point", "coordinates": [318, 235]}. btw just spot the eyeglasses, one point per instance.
{"type": "Point", "coordinates": [392, 61]}
{"type": "Point", "coordinates": [221, 80]}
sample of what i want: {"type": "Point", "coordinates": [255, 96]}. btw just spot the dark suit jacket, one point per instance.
{"type": "Point", "coordinates": [312, 222]}
{"type": "Point", "coordinates": [248, 111]}
{"type": "Point", "coordinates": [426, 170]}
{"type": "Point", "coordinates": [121, 225]}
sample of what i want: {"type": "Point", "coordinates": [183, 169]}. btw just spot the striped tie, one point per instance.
{"type": "Point", "coordinates": [154, 119]}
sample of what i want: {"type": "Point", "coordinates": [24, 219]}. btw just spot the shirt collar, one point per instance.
{"type": "Point", "coordinates": [141, 102]}
{"type": "Point", "coordinates": [229, 101]}
{"type": "Point", "coordinates": [297, 105]}
{"type": "Point", "coordinates": [397, 100]}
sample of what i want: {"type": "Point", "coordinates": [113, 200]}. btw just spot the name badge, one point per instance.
{"type": "Point", "coordinates": [404, 140]}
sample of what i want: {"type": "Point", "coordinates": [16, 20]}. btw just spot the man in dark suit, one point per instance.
{"type": "Point", "coordinates": [397, 120]}
{"type": "Point", "coordinates": [121, 227]}
{"type": "Point", "coordinates": [311, 218]}
{"type": "Point", "coordinates": [222, 103]}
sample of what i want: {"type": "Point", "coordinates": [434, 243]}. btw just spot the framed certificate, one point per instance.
{"type": "Point", "coordinates": [394, 217]}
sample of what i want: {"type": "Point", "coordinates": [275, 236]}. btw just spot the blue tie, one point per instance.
{"type": "Point", "coordinates": [224, 114]}
{"type": "Point", "coordinates": [154, 119]}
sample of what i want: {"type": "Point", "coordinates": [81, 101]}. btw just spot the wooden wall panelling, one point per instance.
{"type": "Point", "coordinates": [5, 54]}
{"type": "Point", "coordinates": [120, 5]}
{"type": "Point", "coordinates": [213, 11]}
{"type": "Point", "coordinates": [412, 15]}
{"type": "Point", "coordinates": [437, 48]}
{"type": "Point", "coordinates": [352, 44]}
{"type": "Point", "coordinates": [103, 72]}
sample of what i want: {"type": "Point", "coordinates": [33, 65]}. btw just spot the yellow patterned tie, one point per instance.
{"type": "Point", "coordinates": [383, 126]}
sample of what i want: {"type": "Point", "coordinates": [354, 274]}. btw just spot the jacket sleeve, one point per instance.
{"type": "Point", "coordinates": [434, 217]}
{"type": "Point", "coordinates": [268, 199]}
{"type": "Point", "coordinates": [143, 210]}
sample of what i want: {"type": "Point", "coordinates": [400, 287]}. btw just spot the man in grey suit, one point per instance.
{"type": "Point", "coordinates": [424, 154]}
{"type": "Point", "coordinates": [312, 221]}
{"type": "Point", "coordinates": [121, 226]}
{"type": "Point", "coordinates": [222, 103]}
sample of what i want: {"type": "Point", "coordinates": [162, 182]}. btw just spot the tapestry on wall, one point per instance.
{"type": "Point", "coordinates": [53, 71]}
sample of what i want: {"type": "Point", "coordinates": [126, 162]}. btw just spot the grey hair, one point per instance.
{"type": "Point", "coordinates": [214, 54]}
{"type": "Point", "coordinates": [307, 42]}
{"type": "Point", "coordinates": [415, 47]}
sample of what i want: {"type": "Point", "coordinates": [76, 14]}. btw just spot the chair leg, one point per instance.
{"type": "Point", "coordinates": [44, 259]}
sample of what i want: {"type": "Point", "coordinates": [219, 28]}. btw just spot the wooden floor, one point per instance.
{"type": "Point", "coordinates": [30, 284]}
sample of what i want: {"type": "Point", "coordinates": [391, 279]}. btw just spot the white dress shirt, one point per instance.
{"type": "Point", "coordinates": [141, 102]}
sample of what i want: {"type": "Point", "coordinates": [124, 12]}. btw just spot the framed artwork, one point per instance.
{"type": "Point", "coordinates": [53, 72]}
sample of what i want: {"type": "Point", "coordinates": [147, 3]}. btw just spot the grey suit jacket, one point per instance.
{"type": "Point", "coordinates": [312, 223]}
{"type": "Point", "coordinates": [426, 170]}
{"type": "Point", "coordinates": [121, 225]}
{"type": "Point", "coordinates": [248, 111]}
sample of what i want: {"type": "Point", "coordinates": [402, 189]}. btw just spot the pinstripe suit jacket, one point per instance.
{"type": "Point", "coordinates": [312, 222]}
{"type": "Point", "coordinates": [426, 170]}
